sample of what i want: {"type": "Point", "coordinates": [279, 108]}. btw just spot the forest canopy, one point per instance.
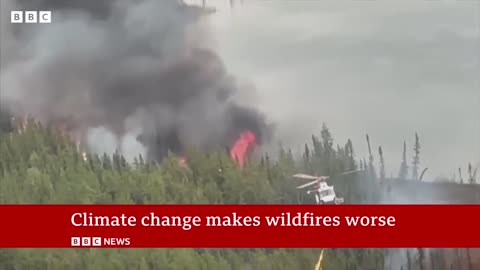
{"type": "Point", "coordinates": [40, 166]}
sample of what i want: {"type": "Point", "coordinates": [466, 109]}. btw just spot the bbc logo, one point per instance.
{"type": "Point", "coordinates": [31, 17]}
{"type": "Point", "coordinates": [86, 242]}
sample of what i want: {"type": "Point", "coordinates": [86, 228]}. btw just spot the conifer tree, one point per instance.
{"type": "Point", "coordinates": [317, 147]}
{"type": "Point", "coordinates": [371, 167]}
{"type": "Point", "coordinates": [327, 142]}
{"type": "Point", "coordinates": [460, 175]}
{"type": "Point", "coordinates": [382, 163]}
{"type": "Point", "coordinates": [471, 177]}
{"type": "Point", "coordinates": [351, 165]}
{"type": "Point", "coordinates": [403, 166]}
{"type": "Point", "coordinates": [421, 258]}
{"type": "Point", "coordinates": [416, 158]}
{"type": "Point", "coordinates": [306, 157]}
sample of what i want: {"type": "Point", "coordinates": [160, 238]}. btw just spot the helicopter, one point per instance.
{"type": "Point", "coordinates": [324, 194]}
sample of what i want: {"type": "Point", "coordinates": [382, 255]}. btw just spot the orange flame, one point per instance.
{"type": "Point", "coordinates": [240, 148]}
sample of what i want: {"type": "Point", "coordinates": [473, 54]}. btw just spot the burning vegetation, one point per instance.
{"type": "Point", "coordinates": [135, 69]}
{"type": "Point", "coordinates": [240, 148]}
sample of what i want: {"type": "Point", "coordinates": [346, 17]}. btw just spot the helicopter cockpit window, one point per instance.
{"type": "Point", "coordinates": [326, 192]}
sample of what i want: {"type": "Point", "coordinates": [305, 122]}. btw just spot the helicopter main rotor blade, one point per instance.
{"type": "Point", "coordinates": [307, 184]}
{"type": "Point", "coordinates": [350, 172]}
{"type": "Point", "coordinates": [305, 176]}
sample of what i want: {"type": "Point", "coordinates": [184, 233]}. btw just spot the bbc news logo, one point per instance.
{"type": "Point", "coordinates": [31, 17]}
{"type": "Point", "coordinates": [99, 242]}
{"type": "Point", "coordinates": [86, 241]}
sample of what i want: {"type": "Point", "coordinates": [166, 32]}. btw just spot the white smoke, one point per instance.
{"type": "Point", "coordinates": [101, 141]}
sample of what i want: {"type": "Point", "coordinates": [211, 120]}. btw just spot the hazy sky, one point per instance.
{"type": "Point", "coordinates": [386, 68]}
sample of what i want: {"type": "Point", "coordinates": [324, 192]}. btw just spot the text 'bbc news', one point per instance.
{"type": "Point", "coordinates": [78, 241]}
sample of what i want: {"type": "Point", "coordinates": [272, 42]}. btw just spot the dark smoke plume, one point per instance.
{"type": "Point", "coordinates": [139, 70]}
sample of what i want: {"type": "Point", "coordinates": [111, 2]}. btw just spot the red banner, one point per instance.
{"type": "Point", "coordinates": [238, 226]}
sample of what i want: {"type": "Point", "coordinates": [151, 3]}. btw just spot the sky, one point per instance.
{"type": "Point", "coordinates": [386, 68]}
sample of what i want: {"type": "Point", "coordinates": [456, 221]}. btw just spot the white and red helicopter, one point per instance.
{"type": "Point", "coordinates": [324, 194]}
